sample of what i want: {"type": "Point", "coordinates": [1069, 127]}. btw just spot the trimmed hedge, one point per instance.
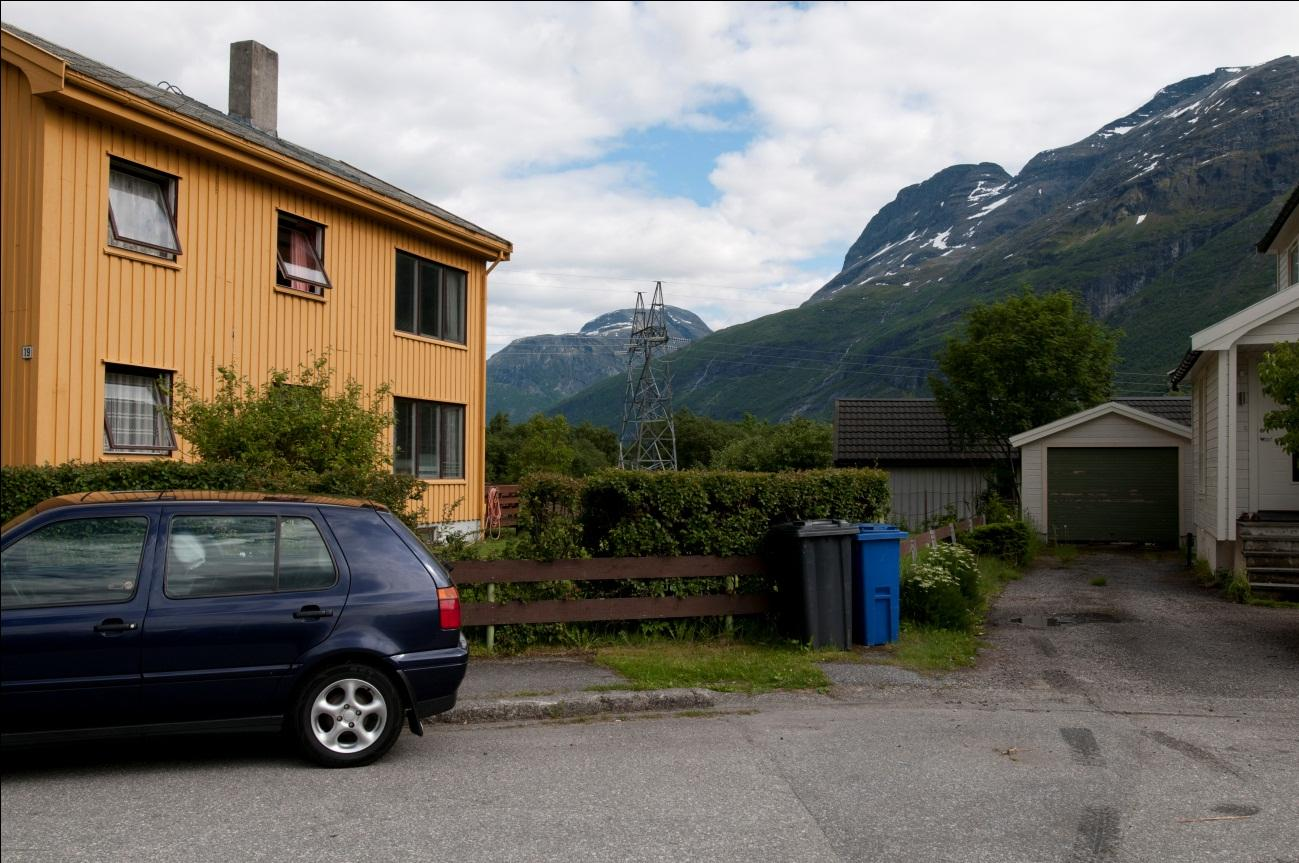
{"type": "Point", "coordinates": [550, 517]}
{"type": "Point", "coordinates": [621, 513]}
{"type": "Point", "coordinates": [1010, 541]}
{"type": "Point", "coordinates": [23, 487]}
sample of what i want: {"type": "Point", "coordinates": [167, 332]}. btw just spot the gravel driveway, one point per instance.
{"type": "Point", "coordinates": [1150, 632]}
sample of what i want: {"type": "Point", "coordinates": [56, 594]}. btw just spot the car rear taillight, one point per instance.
{"type": "Point", "coordinates": [449, 607]}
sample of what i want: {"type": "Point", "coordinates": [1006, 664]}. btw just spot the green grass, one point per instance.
{"type": "Point", "coordinates": [1269, 602]}
{"type": "Point", "coordinates": [1098, 581]}
{"type": "Point", "coordinates": [721, 666]}
{"type": "Point", "coordinates": [929, 651]}
{"type": "Point", "coordinates": [1063, 553]}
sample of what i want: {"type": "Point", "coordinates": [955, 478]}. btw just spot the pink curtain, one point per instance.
{"type": "Point", "coordinates": [301, 254]}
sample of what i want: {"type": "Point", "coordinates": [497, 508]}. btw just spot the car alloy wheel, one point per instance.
{"type": "Point", "coordinates": [348, 716]}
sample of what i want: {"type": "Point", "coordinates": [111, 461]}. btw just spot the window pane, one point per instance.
{"type": "Point", "coordinates": [220, 555]}
{"type": "Point", "coordinates": [405, 293]}
{"type": "Point", "coordinates": [453, 441]}
{"type": "Point", "coordinates": [82, 561]}
{"type": "Point", "coordinates": [426, 438]}
{"type": "Point", "coordinates": [140, 210]}
{"type": "Point", "coordinates": [453, 286]}
{"type": "Point", "coordinates": [428, 299]}
{"type": "Point", "coordinates": [299, 264]}
{"type": "Point", "coordinates": [133, 417]}
{"type": "Point", "coordinates": [305, 563]}
{"type": "Point", "coordinates": [403, 434]}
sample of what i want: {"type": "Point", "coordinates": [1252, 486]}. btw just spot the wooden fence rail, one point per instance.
{"type": "Point", "coordinates": [491, 572]}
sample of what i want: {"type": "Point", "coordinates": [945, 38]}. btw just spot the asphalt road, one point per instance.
{"type": "Point", "coordinates": [1150, 722]}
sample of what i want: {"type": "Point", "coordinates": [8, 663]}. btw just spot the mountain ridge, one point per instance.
{"type": "Point", "coordinates": [531, 374]}
{"type": "Point", "coordinates": [1150, 221]}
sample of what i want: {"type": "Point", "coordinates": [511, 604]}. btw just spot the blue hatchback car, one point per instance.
{"type": "Point", "coordinates": [125, 614]}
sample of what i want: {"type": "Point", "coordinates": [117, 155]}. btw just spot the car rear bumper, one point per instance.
{"type": "Point", "coordinates": [432, 677]}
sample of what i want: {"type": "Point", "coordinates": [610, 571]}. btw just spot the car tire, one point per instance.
{"type": "Point", "coordinates": [347, 716]}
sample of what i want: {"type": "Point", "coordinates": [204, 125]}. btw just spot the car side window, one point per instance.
{"type": "Point", "coordinates": [219, 555]}
{"type": "Point", "coordinates": [82, 561]}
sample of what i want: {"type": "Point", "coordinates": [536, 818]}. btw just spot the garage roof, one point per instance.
{"type": "Point", "coordinates": [1114, 407]}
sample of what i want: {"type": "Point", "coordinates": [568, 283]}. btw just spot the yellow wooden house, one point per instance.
{"type": "Point", "coordinates": [146, 235]}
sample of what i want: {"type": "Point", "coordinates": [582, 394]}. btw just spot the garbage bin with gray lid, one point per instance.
{"type": "Point", "coordinates": [814, 560]}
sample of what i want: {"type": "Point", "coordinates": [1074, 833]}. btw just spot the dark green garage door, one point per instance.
{"type": "Point", "coordinates": [1112, 494]}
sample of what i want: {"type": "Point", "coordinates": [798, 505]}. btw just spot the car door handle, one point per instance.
{"type": "Point", "coordinates": [312, 612]}
{"type": "Point", "coordinates": [115, 624]}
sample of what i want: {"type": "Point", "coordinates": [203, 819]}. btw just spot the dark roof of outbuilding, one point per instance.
{"type": "Point", "coordinates": [196, 110]}
{"type": "Point", "coordinates": [1175, 409]}
{"type": "Point", "coordinates": [892, 431]}
{"type": "Point", "coordinates": [914, 431]}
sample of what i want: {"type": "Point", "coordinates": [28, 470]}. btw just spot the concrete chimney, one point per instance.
{"type": "Point", "coordinates": [254, 84]}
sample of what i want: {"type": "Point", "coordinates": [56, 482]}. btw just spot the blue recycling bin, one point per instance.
{"type": "Point", "coordinates": [876, 570]}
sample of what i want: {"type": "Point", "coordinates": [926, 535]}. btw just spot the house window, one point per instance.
{"type": "Point", "coordinates": [142, 210]}
{"type": "Point", "coordinates": [1292, 264]}
{"type": "Point", "coordinates": [300, 255]}
{"type": "Point", "coordinates": [429, 439]}
{"type": "Point", "coordinates": [430, 299]}
{"type": "Point", "coordinates": [135, 411]}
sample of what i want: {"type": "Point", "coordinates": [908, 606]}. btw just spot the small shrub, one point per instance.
{"type": "Point", "coordinates": [1237, 589]}
{"type": "Point", "coordinates": [942, 589]}
{"type": "Point", "coordinates": [931, 596]}
{"type": "Point", "coordinates": [1205, 575]}
{"type": "Point", "coordinates": [961, 563]}
{"type": "Point", "coordinates": [1010, 541]}
{"type": "Point", "coordinates": [1099, 581]}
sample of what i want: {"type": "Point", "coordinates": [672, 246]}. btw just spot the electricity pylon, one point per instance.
{"type": "Point", "coordinates": [648, 440]}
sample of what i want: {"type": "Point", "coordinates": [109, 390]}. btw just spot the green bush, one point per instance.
{"type": "Point", "coordinates": [299, 433]}
{"type": "Point", "coordinates": [641, 513]}
{"type": "Point", "coordinates": [941, 589]}
{"type": "Point", "coordinates": [1009, 541]}
{"type": "Point", "coordinates": [23, 487]}
{"type": "Point", "coordinates": [550, 512]}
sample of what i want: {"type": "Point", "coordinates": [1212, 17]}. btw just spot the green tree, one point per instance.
{"type": "Point", "coordinates": [799, 444]}
{"type": "Point", "coordinates": [1279, 376]}
{"type": "Point", "coordinates": [298, 433]}
{"type": "Point", "coordinates": [1019, 364]}
{"type": "Point", "coordinates": [596, 447]}
{"type": "Point", "coordinates": [700, 438]}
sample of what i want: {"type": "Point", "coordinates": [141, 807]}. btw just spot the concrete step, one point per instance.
{"type": "Point", "coordinates": [1267, 530]}
{"type": "Point", "coordinates": [1288, 559]}
{"type": "Point", "coordinates": [1272, 576]}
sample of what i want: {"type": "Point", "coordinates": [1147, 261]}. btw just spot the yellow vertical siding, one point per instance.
{"type": "Point", "coordinates": [217, 305]}
{"type": "Point", "coordinates": [20, 257]}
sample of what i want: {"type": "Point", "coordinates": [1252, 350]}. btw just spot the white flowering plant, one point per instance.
{"type": "Point", "coordinates": [942, 588]}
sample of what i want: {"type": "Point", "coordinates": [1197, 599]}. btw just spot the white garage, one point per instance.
{"type": "Point", "coordinates": [1114, 473]}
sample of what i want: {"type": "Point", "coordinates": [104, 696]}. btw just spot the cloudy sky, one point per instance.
{"type": "Point", "coordinates": [733, 151]}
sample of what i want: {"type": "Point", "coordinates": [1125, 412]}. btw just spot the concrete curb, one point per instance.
{"type": "Point", "coordinates": [574, 704]}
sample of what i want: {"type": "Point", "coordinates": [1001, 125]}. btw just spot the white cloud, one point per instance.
{"type": "Point", "coordinates": [507, 114]}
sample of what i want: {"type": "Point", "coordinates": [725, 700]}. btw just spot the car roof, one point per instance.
{"type": "Point", "coordinates": [95, 497]}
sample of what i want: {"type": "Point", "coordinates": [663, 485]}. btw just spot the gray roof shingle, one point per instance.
{"type": "Point", "coordinates": [897, 431]}
{"type": "Point", "coordinates": [915, 432]}
{"type": "Point", "coordinates": [1175, 409]}
{"type": "Point", "coordinates": [196, 110]}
